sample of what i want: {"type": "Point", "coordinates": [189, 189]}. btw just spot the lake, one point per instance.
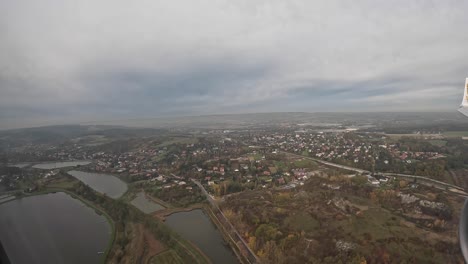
{"type": "Point", "coordinates": [197, 227]}
{"type": "Point", "coordinates": [63, 164]}
{"type": "Point", "coordinates": [103, 183]}
{"type": "Point", "coordinates": [52, 228]}
{"type": "Point", "coordinates": [146, 205]}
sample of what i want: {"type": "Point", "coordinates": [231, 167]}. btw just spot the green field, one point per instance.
{"type": "Point", "coordinates": [414, 135]}
{"type": "Point", "coordinates": [438, 142]}
{"type": "Point", "coordinates": [179, 140]}
{"type": "Point", "coordinates": [256, 156]}
{"type": "Point", "coordinates": [62, 183]}
{"type": "Point", "coordinates": [456, 133]}
{"type": "Point", "coordinates": [383, 225]}
{"type": "Point", "coordinates": [305, 163]}
{"type": "Point", "coordinates": [168, 256]}
{"type": "Point", "coordinates": [301, 222]}
{"type": "Point", "coordinates": [280, 165]}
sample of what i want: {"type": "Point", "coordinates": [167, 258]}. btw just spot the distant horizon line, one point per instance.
{"type": "Point", "coordinates": [96, 122]}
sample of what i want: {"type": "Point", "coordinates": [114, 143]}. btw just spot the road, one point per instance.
{"type": "Point", "coordinates": [331, 164]}
{"type": "Point", "coordinates": [208, 196]}
{"type": "Point", "coordinates": [430, 182]}
{"type": "Point", "coordinates": [437, 184]}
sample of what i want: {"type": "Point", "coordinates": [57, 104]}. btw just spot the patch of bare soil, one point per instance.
{"type": "Point", "coordinates": [152, 246]}
{"type": "Point", "coordinates": [141, 247]}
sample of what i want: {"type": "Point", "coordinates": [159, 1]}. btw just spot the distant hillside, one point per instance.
{"type": "Point", "coordinates": [59, 134]}
{"type": "Point", "coordinates": [265, 119]}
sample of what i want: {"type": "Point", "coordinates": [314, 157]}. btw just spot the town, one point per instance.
{"type": "Point", "coordinates": [414, 176]}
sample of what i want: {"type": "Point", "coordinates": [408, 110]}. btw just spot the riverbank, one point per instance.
{"type": "Point", "coordinates": [161, 215]}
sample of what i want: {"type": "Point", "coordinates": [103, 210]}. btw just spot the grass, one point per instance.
{"type": "Point", "coordinates": [168, 256]}
{"type": "Point", "coordinates": [305, 163]}
{"type": "Point", "coordinates": [456, 133]}
{"type": "Point", "coordinates": [256, 156]}
{"type": "Point", "coordinates": [193, 251]}
{"type": "Point", "coordinates": [179, 140]}
{"type": "Point", "coordinates": [438, 142]}
{"type": "Point", "coordinates": [403, 135]}
{"type": "Point", "coordinates": [159, 157]}
{"type": "Point", "coordinates": [414, 135]}
{"type": "Point", "coordinates": [280, 165]}
{"type": "Point", "coordinates": [273, 169]}
{"type": "Point", "coordinates": [302, 221]}
{"type": "Point", "coordinates": [381, 224]}
{"type": "Point", "coordinates": [62, 183]}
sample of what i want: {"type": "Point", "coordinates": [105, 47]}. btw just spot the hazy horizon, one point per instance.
{"type": "Point", "coordinates": [169, 121]}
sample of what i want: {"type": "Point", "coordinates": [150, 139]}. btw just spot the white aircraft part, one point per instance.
{"type": "Point", "coordinates": [465, 95]}
{"type": "Point", "coordinates": [464, 105]}
{"type": "Point", "coordinates": [463, 110]}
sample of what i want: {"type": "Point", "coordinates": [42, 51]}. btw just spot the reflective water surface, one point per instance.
{"type": "Point", "coordinates": [197, 227]}
{"type": "Point", "coordinates": [52, 228]}
{"type": "Point", "coordinates": [103, 183]}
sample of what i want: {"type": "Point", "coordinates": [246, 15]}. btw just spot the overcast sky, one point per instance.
{"type": "Point", "coordinates": [66, 61]}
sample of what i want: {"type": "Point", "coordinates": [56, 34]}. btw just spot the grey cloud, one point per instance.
{"type": "Point", "coordinates": [67, 61]}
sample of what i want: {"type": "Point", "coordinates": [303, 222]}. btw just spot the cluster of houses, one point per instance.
{"type": "Point", "coordinates": [341, 145]}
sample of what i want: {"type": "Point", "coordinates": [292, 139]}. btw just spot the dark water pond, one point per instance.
{"type": "Point", "coordinates": [103, 183]}
{"type": "Point", "coordinates": [52, 228]}
{"type": "Point", "coordinates": [197, 227]}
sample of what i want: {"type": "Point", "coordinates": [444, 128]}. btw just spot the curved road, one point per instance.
{"type": "Point", "coordinates": [437, 184]}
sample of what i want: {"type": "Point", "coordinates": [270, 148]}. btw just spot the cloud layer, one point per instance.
{"type": "Point", "coordinates": [65, 61]}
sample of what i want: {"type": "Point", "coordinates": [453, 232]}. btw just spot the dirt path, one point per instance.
{"type": "Point", "coordinates": [455, 178]}
{"type": "Point", "coordinates": [162, 214]}
{"type": "Point", "coordinates": [142, 247]}
{"type": "Point", "coordinates": [156, 200]}
{"type": "Point", "coordinates": [152, 246]}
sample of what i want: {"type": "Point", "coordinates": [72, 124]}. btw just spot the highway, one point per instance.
{"type": "Point", "coordinates": [208, 196]}
{"type": "Point", "coordinates": [427, 181]}
{"type": "Point", "coordinates": [331, 164]}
